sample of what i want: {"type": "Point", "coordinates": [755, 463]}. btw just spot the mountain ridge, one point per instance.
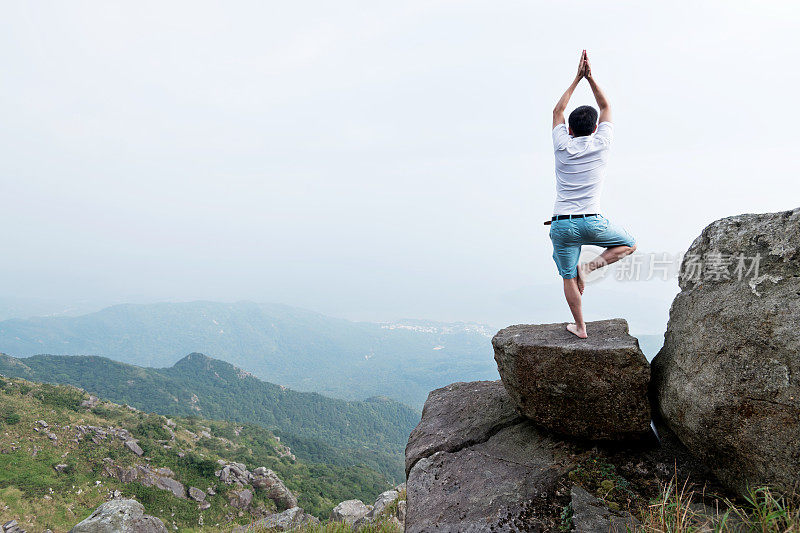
{"type": "Point", "coordinates": [318, 428]}
{"type": "Point", "coordinates": [301, 349]}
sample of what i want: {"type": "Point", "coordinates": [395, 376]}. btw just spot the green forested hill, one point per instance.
{"type": "Point", "coordinates": [58, 459]}
{"type": "Point", "coordinates": [300, 349]}
{"type": "Point", "coordinates": [320, 429]}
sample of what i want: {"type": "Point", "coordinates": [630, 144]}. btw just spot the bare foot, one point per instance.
{"type": "Point", "coordinates": [581, 282]}
{"type": "Point", "coordinates": [575, 330]}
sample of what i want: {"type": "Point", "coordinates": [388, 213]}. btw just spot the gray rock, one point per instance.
{"type": "Point", "coordinates": [484, 467]}
{"type": "Point", "coordinates": [91, 403]}
{"type": "Point", "coordinates": [12, 526]}
{"type": "Point", "coordinates": [133, 446]}
{"type": "Point", "coordinates": [148, 476]}
{"type": "Point", "coordinates": [241, 499]}
{"type": "Point", "coordinates": [120, 516]}
{"type": "Point", "coordinates": [234, 473]}
{"type": "Point", "coordinates": [197, 494]}
{"type": "Point", "coordinates": [268, 481]}
{"type": "Point", "coordinates": [170, 484]}
{"type": "Point", "coordinates": [60, 468]}
{"type": "Point", "coordinates": [384, 500]}
{"type": "Point", "coordinates": [593, 388]}
{"type": "Point", "coordinates": [449, 422]}
{"type": "Point", "coordinates": [288, 520]}
{"type": "Point", "coordinates": [727, 380]}
{"type": "Point", "coordinates": [589, 515]}
{"type": "Point", "coordinates": [349, 511]}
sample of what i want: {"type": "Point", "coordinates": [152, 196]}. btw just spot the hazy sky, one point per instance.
{"type": "Point", "coordinates": [374, 159]}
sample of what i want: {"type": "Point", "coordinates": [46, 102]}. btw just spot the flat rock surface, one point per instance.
{"type": "Point", "coordinates": [459, 414]}
{"type": "Point", "coordinates": [593, 388]}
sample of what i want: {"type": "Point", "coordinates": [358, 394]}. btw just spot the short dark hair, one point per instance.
{"type": "Point", "coordinates": [583, 120]}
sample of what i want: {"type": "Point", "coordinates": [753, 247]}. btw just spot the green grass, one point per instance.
{"type": "Point", "coordinates": [677, 510]}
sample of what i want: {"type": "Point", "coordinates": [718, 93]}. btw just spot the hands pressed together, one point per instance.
{"type": "Point", "coordinates": [584, 71]}
{"type": "Point", "coordinates": [584, 67]}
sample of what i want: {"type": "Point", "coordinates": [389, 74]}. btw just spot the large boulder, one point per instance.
{"type": "Point", "coordinates": [727, 380]}
{"type": "Point", "coordinates": [475, 464]}
{"type": "Point", "coordinates": [267, 480]}
{"type": "Point", "coordinates": [593, 388]}
{"type": "Point", "coordinates": [349, 511]}
{"type": "Point", "coordinates": [120, 516]}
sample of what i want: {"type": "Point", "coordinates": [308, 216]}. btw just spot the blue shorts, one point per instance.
{"type": "Point", "coordinates": [569, 234]}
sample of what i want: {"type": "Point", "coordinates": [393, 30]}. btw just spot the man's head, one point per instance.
{"type": "Point", "coordinates": [583, 121]}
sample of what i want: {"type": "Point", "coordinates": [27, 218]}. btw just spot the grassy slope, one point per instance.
{"type": "Point", "coordinates": [32, 492]}
{"type": "Point", "coordinates": [319, 429]}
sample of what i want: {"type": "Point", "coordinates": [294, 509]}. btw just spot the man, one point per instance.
{"type": "Point", "coordinates": [581, 153]}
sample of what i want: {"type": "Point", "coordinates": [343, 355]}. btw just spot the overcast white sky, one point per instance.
{"type": "Point", "coordinates": [374, 160]}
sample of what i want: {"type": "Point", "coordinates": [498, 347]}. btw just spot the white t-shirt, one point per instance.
{"type": "Point", "coordinates": [580, 169]}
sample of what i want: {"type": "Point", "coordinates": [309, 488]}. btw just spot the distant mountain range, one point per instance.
{"type": "Point", "coordinates": [297, 348]}
{"type": "Point", "coordinates": [373, 432]}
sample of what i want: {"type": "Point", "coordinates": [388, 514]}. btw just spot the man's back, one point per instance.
{"type": "Point", "coordinates": [580, 169]}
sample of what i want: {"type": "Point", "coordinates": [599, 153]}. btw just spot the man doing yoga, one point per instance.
{"type": "Point", "coordinates": [581, 153]}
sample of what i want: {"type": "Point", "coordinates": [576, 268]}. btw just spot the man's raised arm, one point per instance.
{"type": "Point", "coordinates": [561, 106]}
{"type": "Point", "coordinates": [602, 102]}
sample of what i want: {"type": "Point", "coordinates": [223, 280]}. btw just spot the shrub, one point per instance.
{"type": "Point", "coordinates": [11, 418]}
{"type": "Point", "coordinates": [152, 428]}
{"type": "Point", "coordinates": [203, 467]}
{"type": "Point", "coordinates": [56, 396]}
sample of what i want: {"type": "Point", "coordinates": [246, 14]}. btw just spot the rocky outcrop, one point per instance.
{"type": "Point", "coordinates": [232, 473]}
{"type": "Point", "coordinates": [593, 388]}
{"type": "Point", "coordinates": [288, 520]}
{"type": "Point", "coordinates": [261, 478]}
{"type": "Point", "coordinates": [727, 380]}
{"type": "Point", "coordinates": [91, 402]}
{"type": "Point", "coordinates": [120, 516]}
{"type": "Point", "coordinates": [475, 464]}
{"type": "Point", "coordinates": [162, 478]}
{"type": "Point", "coordinates": [268, 481]}
{"type": "Point", "coordinates": [382, 509]}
